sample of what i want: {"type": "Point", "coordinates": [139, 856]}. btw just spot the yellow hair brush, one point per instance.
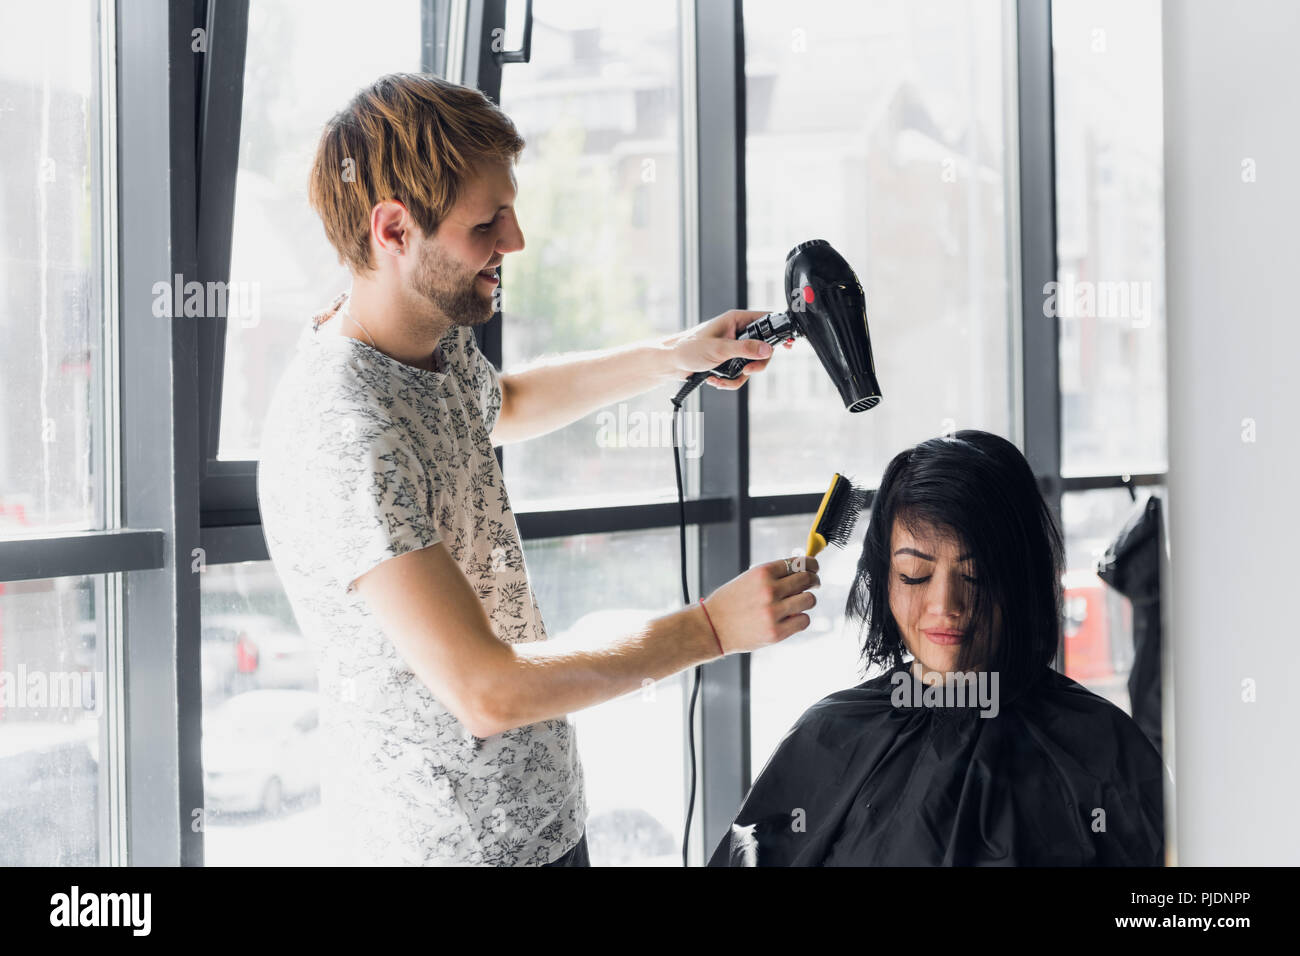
{"type": "Point", "coordinates": [837, 515]}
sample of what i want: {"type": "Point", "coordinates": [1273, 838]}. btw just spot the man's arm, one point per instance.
{"type": "Point", "coordinates": [560, 390]}
{"type": "Point", "coordinates": [428, 609]}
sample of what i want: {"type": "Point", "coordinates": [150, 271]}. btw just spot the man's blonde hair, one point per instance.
{"type": "Point", "coordinates": [412, 137]}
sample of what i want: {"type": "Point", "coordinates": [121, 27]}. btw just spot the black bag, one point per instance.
{"type": "Point", "coordinates": [1131, 565]}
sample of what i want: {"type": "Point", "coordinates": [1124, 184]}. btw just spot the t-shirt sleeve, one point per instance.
{"type": "Point", "coordinates": [380, 502]}
{"type": "Point", "coordinates": [484, 379]}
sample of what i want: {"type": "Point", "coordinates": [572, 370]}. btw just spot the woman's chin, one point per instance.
{"type": "Point", "coordinates": [943, 659]}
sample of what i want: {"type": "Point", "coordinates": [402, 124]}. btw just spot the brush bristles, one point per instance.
{"type": "Point", "coordinates": [841, 514]}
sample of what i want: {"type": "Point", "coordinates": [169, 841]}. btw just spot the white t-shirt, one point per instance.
{"type": "Point", "coordinates": [365, 458]}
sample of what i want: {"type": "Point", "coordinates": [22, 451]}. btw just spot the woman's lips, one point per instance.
{"type": "Point", "coordinates": [943, 637]}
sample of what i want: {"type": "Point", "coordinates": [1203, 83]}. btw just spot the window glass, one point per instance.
{"type": "Point", "coordinates": [261, 743]}
{"type": "Point", "coordinates": [259, 680]}
{"type": "Point", "coordinates": [305, 60]}
{"type": "Point", "coordinates": [51, 703]}
{"type": "Point", "coordinates": [787, 678]}
{"type": "Point", "coordinates": [600, 205]}
{"type": "Point", "coordinates": [879, 126]}
{"type": "Point", "coordinates": [592, 588]}
{"type": "Point", "coordinates": [1110, 295]}
{"type": "Point", "coordinates": [1098, 626]}
{"type": "Point", "coordinates": [51, 305]}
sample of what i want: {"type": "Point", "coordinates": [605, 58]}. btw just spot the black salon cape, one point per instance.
{"type": "Point", "coordinates": [872, 784]}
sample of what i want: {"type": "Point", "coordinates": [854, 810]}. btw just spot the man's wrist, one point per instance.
{"type": "Point", "coordinates": [702, 639]}
{"type": "Point", "coordinates": [712, 628]}
{"type": "Point", "coordinates": [662, 361]}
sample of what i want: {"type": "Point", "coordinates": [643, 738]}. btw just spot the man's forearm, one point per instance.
{"type": "Point", "coordinates": [547, 679]}
{"type": "Point", "coordinates": [559, 390]}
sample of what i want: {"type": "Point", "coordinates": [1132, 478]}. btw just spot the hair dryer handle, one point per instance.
{"type": "Point", "coordinates": [773, 328]}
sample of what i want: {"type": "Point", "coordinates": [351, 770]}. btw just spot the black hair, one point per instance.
{"type": "Point", "coordinates": [977, 489]}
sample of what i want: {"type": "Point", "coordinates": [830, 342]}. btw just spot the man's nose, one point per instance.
{"type": "Point", "coordinates": [512, 239]}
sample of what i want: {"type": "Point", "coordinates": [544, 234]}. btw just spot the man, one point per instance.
{"type": "Point", "coordinates": [443, 705]}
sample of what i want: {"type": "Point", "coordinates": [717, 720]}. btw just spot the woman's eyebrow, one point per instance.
{"type": "Point", "coordinates": [929, 557]}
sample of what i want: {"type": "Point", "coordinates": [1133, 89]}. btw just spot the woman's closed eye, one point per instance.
{"type": "Point", "coordinates": [906, 580]}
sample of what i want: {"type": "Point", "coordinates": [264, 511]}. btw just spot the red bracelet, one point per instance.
{"type": "Point", "coordinates": [712, 628]}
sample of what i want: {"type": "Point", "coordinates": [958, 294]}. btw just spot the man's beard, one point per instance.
{"type": "Point", "coordinates": [440, 279]}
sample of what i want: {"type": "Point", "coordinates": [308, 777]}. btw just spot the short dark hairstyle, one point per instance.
{"type": "Point", "coordinates": [976, 488]}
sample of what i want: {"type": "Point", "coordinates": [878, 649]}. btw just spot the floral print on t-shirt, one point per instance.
{"type": "Point", "coordinates": [365, 458]}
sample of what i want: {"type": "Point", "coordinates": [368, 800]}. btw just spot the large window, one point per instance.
{"type": "Point", "coordinates": [787, 679]}
{"type": "Point", "coordinates": [52, 695]}
{"type": "Point", "coordinates": [911, 187]}
{"type": "Point", "coordinates": [591, 588]}
{"type": "Point", "coordinates": [1110, 300]}
{"type": "Point", "coordinates": [600, 205]}
{"type": "Point", "coordinates": [261, 729]}
{"type": "Point", "coordinates": [55, 632]}
{"type": "Point", "coordinates": [51, 471]}
{"type": "Point", "coordinates": [879, 126]}
{"type": "Point", "coordinates": [1109, 305]}
{"type": "Point", "coordinates": [305, 60]}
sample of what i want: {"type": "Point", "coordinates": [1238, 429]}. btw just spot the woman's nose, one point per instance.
{"type": "Point", "coordinates": [947, 599]}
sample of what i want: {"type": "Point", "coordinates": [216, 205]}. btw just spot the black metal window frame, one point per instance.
{"type": "Point", "coordinates": [181, 508]}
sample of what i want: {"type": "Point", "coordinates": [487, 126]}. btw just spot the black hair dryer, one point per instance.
{"type": "Point", "coordinates": [828, 307]}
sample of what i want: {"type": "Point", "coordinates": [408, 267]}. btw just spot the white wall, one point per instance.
{"type": "Point", "coordinates": [1232, 93]}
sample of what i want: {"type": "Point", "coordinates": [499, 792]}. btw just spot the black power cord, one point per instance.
{"type": "Point", "coordinates": [686, 599]}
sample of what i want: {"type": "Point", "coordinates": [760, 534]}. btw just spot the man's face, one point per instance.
{"type": "Point", "coordinates": [456, 267]}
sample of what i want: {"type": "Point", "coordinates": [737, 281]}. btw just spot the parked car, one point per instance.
{"type": "Point", "coordinates": [284, 659]}
{"type": "Point", "coordinates": [1087, 634]}
{"type": "Point", "coordinates": [242, 652]}
{"type": "Point", "coordinates": [1098, 635]}
{"type": "Point", "coordinates": [220, 650]}
{"type": "Point", "coordinates": [261, 748]}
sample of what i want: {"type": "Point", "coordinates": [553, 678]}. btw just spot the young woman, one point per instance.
{"type": "Point", "coordinates": [972, 750]}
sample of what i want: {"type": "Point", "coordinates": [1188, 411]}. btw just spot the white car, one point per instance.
{"type": "Point", "coordinates": [261, 748]}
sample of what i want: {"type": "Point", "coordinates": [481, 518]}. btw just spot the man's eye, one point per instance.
{"type": "Point", "coordinates": [483, 227]}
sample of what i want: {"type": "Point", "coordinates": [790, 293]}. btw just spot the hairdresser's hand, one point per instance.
{"type": "Point", "coordinates": [764, 605]}
{"type": "Point", "coordinates": [711, 343]}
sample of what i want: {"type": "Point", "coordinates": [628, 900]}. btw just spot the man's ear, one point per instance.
{"type": "Point", "coordinates": [390, 227]}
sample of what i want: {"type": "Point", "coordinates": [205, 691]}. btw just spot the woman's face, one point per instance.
{"type": "Point", "coordinates": [931, 582]}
